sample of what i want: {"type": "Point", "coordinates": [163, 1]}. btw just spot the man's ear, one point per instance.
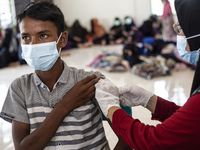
{"type": "Point", "coordinates": [63, 39]}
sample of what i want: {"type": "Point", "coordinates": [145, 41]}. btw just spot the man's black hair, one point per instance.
{"type": "Point", "coordinates": [44, 11]}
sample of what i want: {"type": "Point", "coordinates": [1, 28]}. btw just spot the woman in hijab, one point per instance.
{"type": "Point", "coordinates": [128, 29]}
{"type": "Point", "coordinates": [180, 126]}
{"type": "Point", "coordinates": [167, 22]}
{"type": "Point", "coordinates": [115, 34]}
{"type": "Point", "coordinates": [79, 36]}
{"type": "Point", "coordinates": [98, 33]}
{"type": "Point", "coordinates": [131, 53]}
{"type": "Point", "coordinates": [8, 49]}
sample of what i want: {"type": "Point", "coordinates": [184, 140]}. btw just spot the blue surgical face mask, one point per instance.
{"type": "Point", "coordinates": [41, 56]}
{"type": "Point", "coordinates": [117, 23]}
{"type": "Point", "coordinates": [128, 21]}
{"type": "Point", "coordinates": [191, 57]}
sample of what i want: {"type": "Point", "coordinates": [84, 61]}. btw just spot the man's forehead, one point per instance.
{"type": "Point", "coordinates": [29, 24]}
{"type": "Point", "coordinates": [32, 22]}
{"type": "Point", "coordinates": [24, 32]}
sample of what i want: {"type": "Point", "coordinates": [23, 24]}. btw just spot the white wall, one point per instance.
{"type": "Point", "coordinates": [142, 10]}
{"type": "Point", "coordinates": [104, 10]}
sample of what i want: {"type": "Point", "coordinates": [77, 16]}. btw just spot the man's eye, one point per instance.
{"type": "Point", "coordinates": [43, 36]}
{"type": "Point", "coordinates": [25, 38]}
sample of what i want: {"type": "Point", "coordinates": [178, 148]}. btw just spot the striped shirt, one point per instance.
{"type": "Point", "coordinates": [30, 101]}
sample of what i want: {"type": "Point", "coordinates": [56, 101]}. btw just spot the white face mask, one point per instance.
{"type": "Point", "coordinates": [41, 56]}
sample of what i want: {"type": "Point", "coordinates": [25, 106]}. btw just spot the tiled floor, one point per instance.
{"type": "Point", "coordinates": [175, 87]}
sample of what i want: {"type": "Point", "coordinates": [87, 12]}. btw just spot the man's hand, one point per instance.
{"type": "Point", "coordinates": [81, 93]}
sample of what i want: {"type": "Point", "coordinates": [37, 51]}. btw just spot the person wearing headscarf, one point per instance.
{"type": "Point", "coordinates": [167, 22]}
{"type": "Point", "coordinates": [179, 127]}
{"type": "Point", "coordinates": [128, 29]}
{"type": "Point", "coordinates": [188, 17]}
{"type": "Point", "coordinates": [131, 54]}
{"type": "Point", "coordinates": [147, 28]}
{"type": "Point", "coordinates": [78, 35]}
{"type": "Point", "coordinates": [115, 34]}
{"type": "Point", "coordinates": [8, 49]}
{"type": "Point", "coordinates": [98, 33]}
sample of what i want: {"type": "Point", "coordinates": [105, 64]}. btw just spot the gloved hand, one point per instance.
{"type": "Point", "coordinates": [131, 95]}
{"type": "Point", "coordinates": [107, 95]}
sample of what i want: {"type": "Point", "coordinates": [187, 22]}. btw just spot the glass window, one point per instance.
{"type": "Point", "coordinates": [157, 7]}
{"type": "Point", "coordinates": [7, 13]}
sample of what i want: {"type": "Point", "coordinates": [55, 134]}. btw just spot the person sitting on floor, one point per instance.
{"type": "Point", "coordinates": [79, 36]}
{"type": "Point", "coordinates": [98, 33]}
{"type": "Point", "coordinates": [8, 49]}
{"type": "Point", "coordinates": [128, 29]}
{"type": "Point", "coordinates": [115, 34]}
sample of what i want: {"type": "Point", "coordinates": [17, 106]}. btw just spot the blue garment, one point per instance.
{"type": "Point", "coordinates": [147, 40]}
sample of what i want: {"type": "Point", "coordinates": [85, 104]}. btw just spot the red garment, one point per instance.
{"type": "Point", "coordinates": [180, 129]}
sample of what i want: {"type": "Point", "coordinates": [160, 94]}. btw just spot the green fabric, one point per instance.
{"type": "Point", "coordinates": [127, 109]}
